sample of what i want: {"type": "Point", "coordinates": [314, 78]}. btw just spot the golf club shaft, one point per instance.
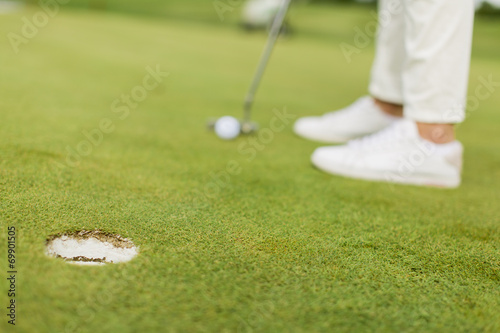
{"type": "Point", "coordinates": [273, 36]}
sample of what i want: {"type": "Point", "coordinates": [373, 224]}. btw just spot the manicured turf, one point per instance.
{"type": "Point", "coordinates": [279, 247]}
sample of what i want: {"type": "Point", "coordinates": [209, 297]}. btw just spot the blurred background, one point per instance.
{"type": "Point", "coordinates": [204, 10]}
{"type": "Point", "coordinates": [186, 35]}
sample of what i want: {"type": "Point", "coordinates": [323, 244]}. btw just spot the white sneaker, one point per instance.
{"type": "Point", "coordinates": [396, 154]}
{"type": "Point", "coordinates": [361, 118]}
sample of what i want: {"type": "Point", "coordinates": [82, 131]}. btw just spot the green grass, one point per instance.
{"type": "Point", "coordinates": [282, 247]}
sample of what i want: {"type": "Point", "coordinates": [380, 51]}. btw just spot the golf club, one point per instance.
{"type": "Point", "coordinates": [247, 125]}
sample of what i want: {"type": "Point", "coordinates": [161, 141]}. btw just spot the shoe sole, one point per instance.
{"type": "Point", "coordinates": [414, 179]}
{"type": "Point", "coordinates": [337, 140]}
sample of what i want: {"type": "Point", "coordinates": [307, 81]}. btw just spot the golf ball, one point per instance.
{"type": "Point", "coordinates": [227, 128]}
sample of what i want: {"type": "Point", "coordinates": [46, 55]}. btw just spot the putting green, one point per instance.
{"type": "Point", "coordinates": [233, 236]}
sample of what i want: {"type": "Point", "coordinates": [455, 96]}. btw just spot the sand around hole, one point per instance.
{"type": "Point", "coordinates": [91, 247]}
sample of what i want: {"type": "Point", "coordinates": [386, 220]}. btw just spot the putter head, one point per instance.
{"type": "Point", "coordinates": [249, 127]}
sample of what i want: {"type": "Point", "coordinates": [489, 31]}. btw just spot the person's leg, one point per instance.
{"type": "Point", "coordinates": [386, 83]}
{"type": "Point", "coordinates": [438, 38]}
{"type": "Point", "coordinates": [369, 114]}
{"type": "Point", "coordinates": [420, 149]}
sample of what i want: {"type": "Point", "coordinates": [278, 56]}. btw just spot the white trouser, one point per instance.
{"type": "Point", "coordinates": [423, 56]}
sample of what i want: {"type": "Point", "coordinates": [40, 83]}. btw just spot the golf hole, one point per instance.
{"type": "Point", "coordinates": [91, 248]}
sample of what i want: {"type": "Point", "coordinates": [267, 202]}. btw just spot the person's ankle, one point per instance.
{"type": "Point", "coordinates": [391, 109]}
{"type": "Point", "coordinates": [437, 133]}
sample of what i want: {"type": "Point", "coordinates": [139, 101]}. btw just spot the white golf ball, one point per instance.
{"type": "Point", "coordinates": [227, 128]}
